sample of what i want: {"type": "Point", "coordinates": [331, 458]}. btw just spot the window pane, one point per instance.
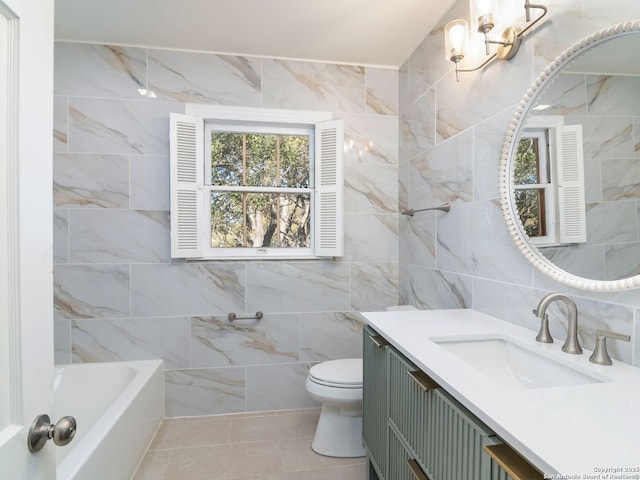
{"type": "Point", "coordinates": [260, 220]}
{"type": "Point", "coordinates": [294, 170]}
{"type": "Point", "coordinates": [527, 168]}
{"type": "Point", "coordinates": [226, 220]}
{"type": "Point", "coordinates": [260, 160]}
{"type": "Point", "coordinates": [226, 158]}
{"type": "Point", "coordinates": [531, 208]}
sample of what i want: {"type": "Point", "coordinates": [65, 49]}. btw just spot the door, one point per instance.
{"type": "Point", "coordinates": [26, 284]}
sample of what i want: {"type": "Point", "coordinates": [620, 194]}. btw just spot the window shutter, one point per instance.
{"type": "Point", "coordinates": [186, 167]}
{"type": "Point", "coordinates": [570, 170]}
{"type": "Point", "coordinates": [328, 230]}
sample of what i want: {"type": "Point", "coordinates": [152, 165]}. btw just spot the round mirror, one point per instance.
{"type": "Point", "coordinates": [570, 167]}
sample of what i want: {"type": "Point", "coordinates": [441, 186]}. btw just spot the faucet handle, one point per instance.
{"type": "Point", "coordinates": [544, 336]}
{"type": "Point", "coordinates": [600, 354]}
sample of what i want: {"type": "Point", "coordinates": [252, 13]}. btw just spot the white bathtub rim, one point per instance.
{"type": "Point", "coordinates": [74, 461]}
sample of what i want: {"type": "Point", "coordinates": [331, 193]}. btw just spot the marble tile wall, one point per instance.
{"type": "Point", "coordinates": [118, 294]}
{"type": "Point", "coordinates": [450, 141]}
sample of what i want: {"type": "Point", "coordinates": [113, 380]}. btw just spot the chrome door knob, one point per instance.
{"type": "Point", "coordinates": [42, 430]}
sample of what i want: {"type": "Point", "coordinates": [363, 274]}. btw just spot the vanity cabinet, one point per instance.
{"type": "Point", "coordinates": [413, 429]}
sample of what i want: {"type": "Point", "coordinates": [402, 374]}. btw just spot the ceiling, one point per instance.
{"type": "Point", "coordinates": [361, 32]}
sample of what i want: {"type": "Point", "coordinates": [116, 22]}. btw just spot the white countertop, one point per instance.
{"type": "Point", "coordinates": [570, 430]}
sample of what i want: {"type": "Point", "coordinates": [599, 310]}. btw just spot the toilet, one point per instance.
{"type": "Point", "coordinates": [337, 385]}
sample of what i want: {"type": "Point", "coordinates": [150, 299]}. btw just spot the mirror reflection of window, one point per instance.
{"type": "Point", "coordinates": [533, 187]}
{"type": "Point", "coordinates": [549, 184]}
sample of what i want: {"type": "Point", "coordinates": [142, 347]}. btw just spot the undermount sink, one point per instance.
{"type": "Point", "coordinates": [514, 365]}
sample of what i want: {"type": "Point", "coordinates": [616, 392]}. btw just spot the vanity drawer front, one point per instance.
{"type": "Point", "coordinates": [402, 464]}
{"type": "Point", "coordinates": [375, 400]}
{"type": "Point", "coordinates": [446, 438]}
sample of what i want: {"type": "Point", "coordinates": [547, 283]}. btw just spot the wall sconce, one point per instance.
{"type": "Point", "coordinates": [482, 18]}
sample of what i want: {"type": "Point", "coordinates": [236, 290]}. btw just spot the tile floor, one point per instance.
{"type": "Point", "coordinates": [256, 446]}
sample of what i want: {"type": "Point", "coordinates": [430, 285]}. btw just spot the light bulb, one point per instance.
{"type": "Point", "coordinates": [456, 33]}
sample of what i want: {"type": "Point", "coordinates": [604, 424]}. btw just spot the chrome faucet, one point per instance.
{"type": "Point", "coordinates": [571, 345]}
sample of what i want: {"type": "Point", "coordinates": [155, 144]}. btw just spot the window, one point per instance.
{"type": "Point", "coordinates": [255, 188]}
{"type": "Point", "coordinates": [549, 182]}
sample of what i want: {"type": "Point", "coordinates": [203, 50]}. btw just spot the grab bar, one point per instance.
{"type": "Point", "coordinates": [257, 316]}
{"type": "Point", "coordinates": [443, 208]}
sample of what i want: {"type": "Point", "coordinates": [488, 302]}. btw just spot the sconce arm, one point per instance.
{"type": "Point", "coordinates": [529, 6]}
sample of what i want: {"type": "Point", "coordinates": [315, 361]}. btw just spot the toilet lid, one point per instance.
{"type": "Point", "coordinates": [346, 373]}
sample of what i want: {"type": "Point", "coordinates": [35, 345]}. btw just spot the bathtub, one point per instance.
{"type": "Point", "coordinates": [117, 406]}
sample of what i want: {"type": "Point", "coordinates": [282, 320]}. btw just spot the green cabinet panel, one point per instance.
{"type": "Point", "coordinates": [375, 400]}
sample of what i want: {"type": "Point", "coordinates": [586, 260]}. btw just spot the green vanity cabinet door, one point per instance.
{"type": "Point", "coordinates": [446, 438]}
{"type": "Point", "coordinates": [375, 400]}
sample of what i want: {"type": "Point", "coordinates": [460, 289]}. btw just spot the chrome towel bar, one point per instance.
{"type": "Point", "coordinates": [257, 316]}
{"type": "Point", "coordinates": [443, 208]}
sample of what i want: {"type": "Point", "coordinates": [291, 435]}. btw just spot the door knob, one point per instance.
{"type": "Point", "coordinates": [42, 430]}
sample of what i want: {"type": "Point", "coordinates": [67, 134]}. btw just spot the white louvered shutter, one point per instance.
{"type": "Point", "coordinates": [570, 171]}
{"type": "Point", "coordinates": [186, 167]}
{"type": "Point", "coordinates": [328, 229]}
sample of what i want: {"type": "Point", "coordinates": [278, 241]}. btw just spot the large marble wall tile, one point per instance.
{"type": "Point", "coordinates": [613, 95]}
{"type": "Point", "coordinates": [187, 289]}
{"type": "Point", "coordinates": [443, 174]}
{"type": "Point", "coordinates": [278, 387]}
{"type": "Point", "coordinates": [370, 189]}
{"type": "Point", "coordinates": [473, 239]}
{"type": "Point", "coordinates": [371, 238]}
{"type": "Point", "coordinates": [132, 339]}
{"type": "Point", "coordinates": [150, 183]}
{"type": "Point", "coordinates": [119, 236]}
{"type": "Point", "coordinates": [611, 223]}
{"type": "Point", "coordinates": [205, 77]}
{"type": "Point", "coordinates": [620, 179]}
{"type": "Point", "coordinates": [62, 342]}
{"type": "Point", "coordinates": [429, 289]}
{"type": "Point", "coordinates": [606, 137]}
{"type": "Point", "coordinates": [370, 139]}
{"type": "Point", "coordinates": [87, 180]}
{"type": "Point", "coordinates": [382, 91]}
{"type": "Point", "coordinates": [204, 391]}
{"type": "Point", "coordinates": [87, 70]}
{"type": "Point", "coordinates": [418, 126]}
{"type": "Point", "coordinates": [330, 336]}
{"type": "Point", "coordinates": [60, 236]}
{"type": "Point", "coordinates": [313, 86]}
{"type": "Point", "coordinates": [488, 138]}
{"type": "Point", "coordinates": [418, 239]}
{"type": "Point", "coordinates": [91, 291]}
{"type": "Point", "coordinates": [217, 342]}
{"type": "Point", "coordinates": [120, 126]}
{"type": "Point", "coordinates": [60, 125]}
{"type": "Point", "coordinates": [374, 286]}
{"type": "Point", "coordinates": [297, 286]}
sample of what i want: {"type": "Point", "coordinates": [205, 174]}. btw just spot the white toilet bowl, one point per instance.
{"type": "Point", "coordinates": [337, 385]}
